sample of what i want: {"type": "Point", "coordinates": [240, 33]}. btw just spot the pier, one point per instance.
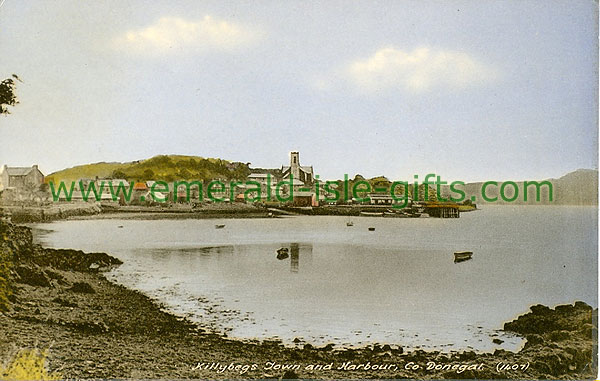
{"type": "Point", "coordinates": [445, 210]}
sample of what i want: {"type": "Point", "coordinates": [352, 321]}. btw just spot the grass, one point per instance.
{"type": "Point", "coordinates": [5, 287]}
{"type": "Point", "coordinates": [6, 263]}
{"type": "Point", "coordinates": [28, 364]}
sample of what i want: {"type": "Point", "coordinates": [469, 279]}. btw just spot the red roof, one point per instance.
{"type": "Point", "coordinates": [140, 186]}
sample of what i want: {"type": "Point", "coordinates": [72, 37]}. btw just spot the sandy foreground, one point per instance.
{"type": "Point", "coordinates": [93, 328]}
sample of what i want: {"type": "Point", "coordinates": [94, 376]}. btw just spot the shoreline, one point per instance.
{"type": "Point", "coordinates": [88, 211]}
{"type": "Point", "coordinates": [97, 329]}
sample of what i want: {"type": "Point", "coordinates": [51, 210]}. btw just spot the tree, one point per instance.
{"type": "Point", "coordinates": [149, 174]}
{"type": "Point", "coordinates": [7, 94]}
{"type": "Point", "coordinates": [118, 175]}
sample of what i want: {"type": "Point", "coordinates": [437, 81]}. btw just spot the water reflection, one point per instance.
{"type": "Point", "coordinates": [294, 251]}
{"type": "Point", "coordinates": [157, 253]}
{"type": "Point", "coordinates": [295, 257]}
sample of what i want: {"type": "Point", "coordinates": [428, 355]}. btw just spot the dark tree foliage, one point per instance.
{"type": "Point", "coordinates": [118, 175]}
{"type": "Point", "coordinates": [7, 94]}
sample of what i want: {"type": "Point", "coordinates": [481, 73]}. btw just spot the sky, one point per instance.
{"type": "Point", "coordinates": [470, 90]}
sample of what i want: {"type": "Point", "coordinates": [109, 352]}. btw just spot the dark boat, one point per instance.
{"type": "Point", "coordinates": [219, 226]}
{"type": "Point", "coordinates": [461, 256]}
{"type": "Point", "coordinates": [282, 253]}
{"type": "Point", "coordinates": [350, 223]}
{"type": "Point", "coordinates": [371, 229]}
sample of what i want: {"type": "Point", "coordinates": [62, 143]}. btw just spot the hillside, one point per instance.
{"type": "Point", "coordinates": [579, 187]}
{"type": "Point", "coordinates": [162, 167]}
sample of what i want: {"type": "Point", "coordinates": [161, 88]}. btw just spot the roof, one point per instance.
{"type": "Point", "coordinates": [18, 171]}
{"type": "Point", "coordinates": [303, 168]}
{"type": "Point", "coordinates": [296, 182]}
{"type": "Point", "coordinates": [303, 194]}
{"type": "Point", "coordinates": [140, 186]}
{"type": "Point", "coordinates": [259, 175]}
{"type": "Point", "coordinates": [380, 195]}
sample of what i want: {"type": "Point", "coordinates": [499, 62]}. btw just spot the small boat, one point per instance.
{"type": "Point", "coordinates": [219, 226]}
{"type": "Point", "coordinates": [371, 229]}
{"type": "Point", "coordinates": [282, 253]}
{"type": "Point", "coordinates": [460, 256]}
{"type": "Point", "coordinates": [372, 214]}
{"type": "Point", "coordinates": [120, 226]}
{"type": "Point", "coordinates": [349, 223]}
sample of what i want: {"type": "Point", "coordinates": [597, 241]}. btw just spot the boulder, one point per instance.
{"type": "Point", "coordinates": [82, 287]}
{"type": "Point", "coordinates": [31, 275]}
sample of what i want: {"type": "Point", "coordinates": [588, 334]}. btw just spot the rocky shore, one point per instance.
{"type": "Point", "coordinates": [57, 211]}
{"type": "Point", "coordinates": [59, 299]}
{"type": "Point", "coordinates": [85, 210]}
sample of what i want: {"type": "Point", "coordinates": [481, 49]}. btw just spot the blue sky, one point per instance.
{"type": "Point", "coordinates": [470, 90]}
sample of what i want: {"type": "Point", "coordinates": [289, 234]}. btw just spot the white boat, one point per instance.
{"type": "Point", "coordinates": [372, 214]}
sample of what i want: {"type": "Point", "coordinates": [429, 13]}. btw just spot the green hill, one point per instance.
{"type": "Point", "coordinates": [162, 167]}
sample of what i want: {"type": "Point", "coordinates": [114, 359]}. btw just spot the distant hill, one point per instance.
{"type": "Point", "coordinates": [575, 188]}
{"type": "Point", "coordinates": [162, 167]}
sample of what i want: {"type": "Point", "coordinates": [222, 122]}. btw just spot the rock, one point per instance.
{"type": "Point", "coordinates": [582, 306]}
{"type": "Point", "coordinates": [54, 275]}
{"type": "Point", "coordinates": [64, 302]}
{"type": "Point", "coordinates": [75, 260]}
{"type": "Point", "coordinates": [540, 309]}
{"type": "Point", "coordinates": [470, 355]}
{"type": "Point", "coordinates": [560, 335]}
{"type": "Point", "coordinates": [289, 375]}
{"type": "Point", "coordinates": [90, 327]}
{"type": "Point", "coordinates": [82, 287]}
{"type": "Point", "coordinates": [348, 354]}
{"type": "Point", "coordinates": [534, 339]}
{"type": "Point", "coordinates": [589, 330]}
{"type": "Point", "coordinates": [33, 276]}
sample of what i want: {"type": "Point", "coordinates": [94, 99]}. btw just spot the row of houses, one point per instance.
{"type": "Point", "coordinates": [294, 182]}
{"type": "Point", "coordinates": [294, 179]}
{"type": "Point", "coordinates": [302, 180]}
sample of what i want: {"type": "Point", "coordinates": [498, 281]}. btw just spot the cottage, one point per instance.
{"type": "Point", "coordinates": [20, 178]}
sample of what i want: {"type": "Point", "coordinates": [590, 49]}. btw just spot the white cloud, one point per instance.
{"type": "Point", "coordinates": [423, 69]}
{"type": "Point", "coordinates": [172, 34]}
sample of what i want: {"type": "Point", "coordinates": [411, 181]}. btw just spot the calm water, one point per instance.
{"type": "Point", "coordinates": [350, 286]}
